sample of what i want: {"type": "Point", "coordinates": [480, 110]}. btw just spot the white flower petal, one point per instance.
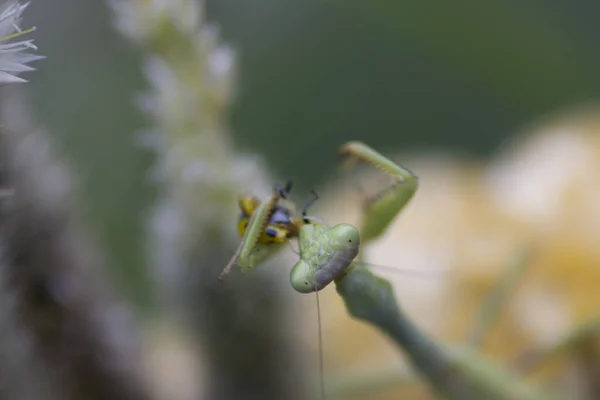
{"type": "Point", "coordinates": [10, 17]}
{"type": "Point", "coordinates": [17, 46]}
{"type": "Point", "coordinates": [27, 57]}
{"type": "Point", "coordinates": [16, 67]}
{"type": "Point", "coordinates": [8, 78]}
{"type": "Point", "coordinates": [13, 56]}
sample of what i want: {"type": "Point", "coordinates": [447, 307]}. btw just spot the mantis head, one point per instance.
{"type": "Point", "coordinates": [325, 254]}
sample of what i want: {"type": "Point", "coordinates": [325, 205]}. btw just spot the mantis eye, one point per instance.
{"type": "Point", "coordinates": [346, 234]}
{"type": "Point", "coordinates": [300, 279]}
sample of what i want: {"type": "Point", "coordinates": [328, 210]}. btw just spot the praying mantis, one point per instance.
{"type": "Point", "coordinates": [328, 254]}
{"type": "Point", "coordinates": [325, 252]}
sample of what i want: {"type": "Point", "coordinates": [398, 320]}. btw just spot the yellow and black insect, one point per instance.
{"type": "Point", "coordinates": [283, 224]}
{"type": "Point", "coordinates": [266, 225]}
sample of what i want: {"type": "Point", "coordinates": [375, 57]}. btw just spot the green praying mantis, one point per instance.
{"type": "Point", "coordinates": [329, 254]}
{"type": "Point", "coordinates": [325, 252]}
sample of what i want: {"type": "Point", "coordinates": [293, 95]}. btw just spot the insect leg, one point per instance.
{"type": "Point", "coordinates": [227, 268]}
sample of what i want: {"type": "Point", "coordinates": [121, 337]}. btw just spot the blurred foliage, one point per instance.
{"type": "Point", "coordinates": [83, 93]}
{"type": "Point", "coordinates": [403, 74]}
{"type": "Point", "coordinates": [314, 73]}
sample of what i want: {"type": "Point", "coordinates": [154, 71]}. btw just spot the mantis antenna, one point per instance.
{"type": "Point", "coordinates": [308, 205]}
{"type": "Point", "coordinates": [307, 220]}
{"type": "Point", "coordinates": [321, 362]}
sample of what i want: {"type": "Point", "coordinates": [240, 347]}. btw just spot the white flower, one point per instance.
{"type": "Point", "coordinates": [13, 55]}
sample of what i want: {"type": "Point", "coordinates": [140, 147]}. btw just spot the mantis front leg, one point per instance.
{"type": "Point", "coordinates": [381, 209]}
{"type": "Point", "coordinates": [246, 255]}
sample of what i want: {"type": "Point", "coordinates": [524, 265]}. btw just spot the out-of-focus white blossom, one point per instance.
{"type": "Point", "coordinates": [141, 20]}
{"type": "Point", "coordinates": [14, 55]}
{"type": "Point", "coordinates": [191, 78]}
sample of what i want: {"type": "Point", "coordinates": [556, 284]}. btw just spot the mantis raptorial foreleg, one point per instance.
{"type": "Point", "coordinates": [254, 230]}
{"type": "Point", "coordinates": [380, 209]}
{"type": "Point", "coordinates": [326, 253]}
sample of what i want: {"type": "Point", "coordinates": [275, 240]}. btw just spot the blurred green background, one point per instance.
{"type": "Point", "coordinates": [403, 75]}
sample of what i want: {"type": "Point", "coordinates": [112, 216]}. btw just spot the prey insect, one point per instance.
{"type": "Point", "coordinates": [265, 226]}
{"type": "Point", "coordinates": [282, 225]}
